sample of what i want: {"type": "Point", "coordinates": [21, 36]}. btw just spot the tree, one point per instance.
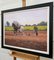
{"type": "Point", "coordinates": [42, 23]}
{"type": "Point", "coordinates": [7, 23]}
{"type": "Point", "coordinates": [26, 25]}
{"type": "Point", "coordinates": [34, 24]}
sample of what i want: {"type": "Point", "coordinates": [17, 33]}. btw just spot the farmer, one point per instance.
{"type": "Point", "coordinates": [36, 30]}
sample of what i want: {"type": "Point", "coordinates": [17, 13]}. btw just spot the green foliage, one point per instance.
{"type": "Point", "coordinates": [8, 28]}
{"type": "Point", "coordinates": [32, 27]}
{"type": "Point", "coordinates": [28, 28]}
{"type": "Point", "coordinates": [42, 27]}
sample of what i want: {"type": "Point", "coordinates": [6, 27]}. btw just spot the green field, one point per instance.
{"type": "Point", "coordinates": [32, 27]}
{"type": "Point", "coordinates": [27, 28]}
{"type": "Point", "coordinates": [9, 28]}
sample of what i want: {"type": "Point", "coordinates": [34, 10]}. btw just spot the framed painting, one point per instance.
{"type": "Point", "coordinates": [29, 29]}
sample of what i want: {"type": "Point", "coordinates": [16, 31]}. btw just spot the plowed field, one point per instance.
{"type": "Point", "coordinates": [27, 39]}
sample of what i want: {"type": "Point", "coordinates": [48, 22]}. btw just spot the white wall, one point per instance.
{"type": "Point", "coordinates": [9, 4]}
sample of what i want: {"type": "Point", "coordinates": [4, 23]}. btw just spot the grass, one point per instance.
{"type": "Point", "coordinates": [9, 28]}
{"type": "Point", "coordinates": [32, 27]}
{"type": "Point", "coordinates": [27, 28]}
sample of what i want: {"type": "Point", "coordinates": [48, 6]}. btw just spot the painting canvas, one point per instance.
{"type": "Point", "coordinates": [27, 29]}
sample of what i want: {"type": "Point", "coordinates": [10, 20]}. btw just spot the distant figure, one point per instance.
{"type": "Point", "coordinates": [36, 30]}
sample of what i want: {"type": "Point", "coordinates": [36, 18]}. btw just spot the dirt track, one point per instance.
{"type": "Point", "coordinates": [27, 39]}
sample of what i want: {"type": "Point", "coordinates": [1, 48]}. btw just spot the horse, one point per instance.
{"type": "Point", "coordinates": [17, 27]}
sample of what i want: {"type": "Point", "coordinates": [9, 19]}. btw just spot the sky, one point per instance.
{"type": "Point", "coordinates": [29, 17]}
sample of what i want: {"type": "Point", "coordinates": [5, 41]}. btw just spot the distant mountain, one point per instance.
{"type": "Point", "coordinates": [42, 23]}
